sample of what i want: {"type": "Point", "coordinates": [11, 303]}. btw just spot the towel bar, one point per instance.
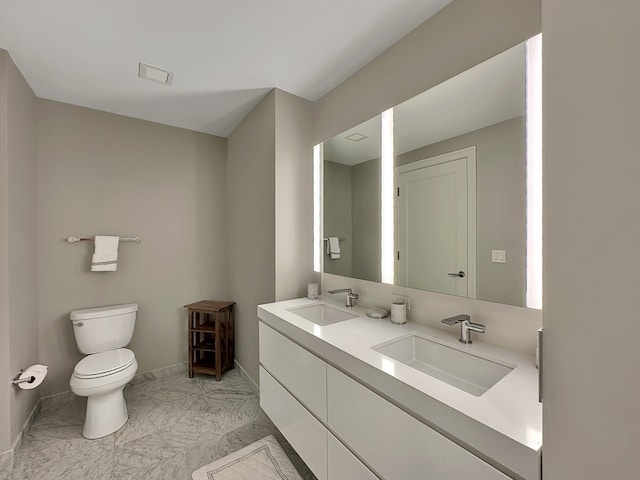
{"type": "Point", "coordinates": [340, 239]}
{"type": "Point", "coordinates": [90, 239]}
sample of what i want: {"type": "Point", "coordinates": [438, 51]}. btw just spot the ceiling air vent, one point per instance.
{"type": "Point", "coordinates": [355, 137]}
{"type": "Point", "coordinates": [155, 74]}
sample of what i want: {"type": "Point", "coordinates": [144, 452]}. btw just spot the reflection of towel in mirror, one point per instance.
{"type": "Point", "coordinates": [333, 247]}
{"type": "Point", "coordinates": [105, 257]}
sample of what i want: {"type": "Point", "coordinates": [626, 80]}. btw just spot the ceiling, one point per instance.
{"type": "Point", "coordinates": [226, 54]}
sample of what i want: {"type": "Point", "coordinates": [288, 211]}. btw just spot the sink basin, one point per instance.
{"type": "Point", "coordinates": [322, 314]}
{"type": "Point", "coordinates": [468, 372]}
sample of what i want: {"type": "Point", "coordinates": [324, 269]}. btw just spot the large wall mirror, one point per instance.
{"type": "Point", "coordinates": [462, 187]}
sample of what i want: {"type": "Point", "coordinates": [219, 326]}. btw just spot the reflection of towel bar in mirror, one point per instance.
{"type": "Point", "coordinates": [340, 239]}
{"type": "Point", "coordinates": [90, 239]}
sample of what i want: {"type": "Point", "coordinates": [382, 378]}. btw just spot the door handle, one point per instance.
{"type": "Point", "coordinates": [459, 274]}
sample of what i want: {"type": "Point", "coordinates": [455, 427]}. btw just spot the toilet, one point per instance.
{"type": "Point", "coordinates": [102, 333]}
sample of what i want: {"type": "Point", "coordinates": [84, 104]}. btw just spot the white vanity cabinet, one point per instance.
{"type": "Point", "coordinates": [301, 429]}
{"type": "Point", "coordinates": [293, 393]}
{"type": "Point", "coordinates": [342, 464]}
{"type": "Point", "coordinates": [310, 401]}
{"type": "Point", "coordinates": [301, 372]}
{"type": "Point", "coordinates": [394, 443]}
{"type": "Point", "coordinates": [384, 418]}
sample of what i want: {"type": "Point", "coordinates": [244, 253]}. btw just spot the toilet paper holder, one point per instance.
{"type": "Point", "coordinates": [18, 380]}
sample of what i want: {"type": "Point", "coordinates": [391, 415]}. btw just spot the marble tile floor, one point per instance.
{"type": "Point", "coordinates": [176, 425]}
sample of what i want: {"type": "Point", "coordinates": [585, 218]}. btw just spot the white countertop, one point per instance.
{"type": "Point", "coordinates": [503, 425]}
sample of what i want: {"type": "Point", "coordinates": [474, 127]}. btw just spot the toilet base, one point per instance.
{"type": "Point", "coordinates": [106, 407]}
{"type": "Point", "coordinates": [106, 414]}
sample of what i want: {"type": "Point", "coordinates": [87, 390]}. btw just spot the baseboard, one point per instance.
{"type": "Point", "coordinates": [52, 401]}
{"type": "Point", "coordinates": [7, 458]}
{"type": "Point", "coordinates": [63, 397]}
{"type": "Point", "coordinates": [6, 464]}
{"type": "Point", "coordinates": [243, 372]}
{"type": "Point", "coordinates": [161, 372]}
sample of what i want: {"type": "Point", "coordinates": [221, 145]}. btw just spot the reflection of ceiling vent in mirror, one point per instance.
{"type": "Point", "coordinates": [356, 137]}
{"type": "Point", "coordinates": [155, 74]}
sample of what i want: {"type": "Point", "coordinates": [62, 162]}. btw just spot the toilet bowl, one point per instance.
{"type": "Point", "coordinates": [102, 333]}
{"type": "Point", "coordinates": [101, 378]}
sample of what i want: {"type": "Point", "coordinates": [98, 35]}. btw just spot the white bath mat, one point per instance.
{"type": "Point", "coordinates": [262, 460]}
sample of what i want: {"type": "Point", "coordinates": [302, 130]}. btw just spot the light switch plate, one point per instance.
{"type": "Point", "coordinates": [498, 256]}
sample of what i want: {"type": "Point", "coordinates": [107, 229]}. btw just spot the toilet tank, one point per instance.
{"type": "Point", "coordinates": [104, 328]}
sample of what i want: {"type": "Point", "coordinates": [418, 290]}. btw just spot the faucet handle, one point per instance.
{"type": "Point", "coordinates": [351, 298]}
{"type": "Point", "coordinates": [350, 295]}
{"type": "Point", "coordinates": [456, 319]}
{"type": "Point", "coordinates": [477, 327]}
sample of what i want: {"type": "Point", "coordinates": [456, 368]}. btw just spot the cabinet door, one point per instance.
{"type": "Point", "coordinates": [342, 464]}
{"type": "Point", "coordinates": [303, 374]}
{"type": "Point", "coordinates": [394, 443]}
{"type": "Point", "coordinates": [301, 429]}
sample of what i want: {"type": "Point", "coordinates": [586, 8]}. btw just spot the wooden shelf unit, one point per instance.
{"type": "Point", "coordinates": [211, 337]}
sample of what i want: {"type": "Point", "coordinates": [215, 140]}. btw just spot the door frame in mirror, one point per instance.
{"type": "Point", "coordinates": [469, 153]}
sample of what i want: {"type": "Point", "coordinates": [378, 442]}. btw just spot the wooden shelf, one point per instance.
{"type": "Point", "coordinates": [204, 366]}
{"type": "Point", "coordinates": [205, 327]}
{"type": "Point", "coordinates": [211, 337]}
{"type": "Point", "coordinates": [205, 347]}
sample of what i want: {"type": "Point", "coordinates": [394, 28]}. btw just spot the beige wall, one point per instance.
{"type": "Point", "coordinates": [591, 75]}
{"type": "Point", "coordinates": [352, 211]}
{"type": "Point", "coordinates": [5, 369]}
{"type": "Point", "coordinates": [18, 284]}
{"type": "Point", "coordinates": [365, 192]}
{"type": "Point", "coordinates": [500, 205]}
{"type": "Point", "coordinates": [337, 216]}
{"type": "Point", "coordinates": [251, 225]}
{"type": "Point", "coordinates": [461, 35]}
{"type": "Point", "coordinates": [270, 205]}
{"type": "Point", "coordinates": [100, 173]}
{"type": "Point", "coordinates": [294, 196]}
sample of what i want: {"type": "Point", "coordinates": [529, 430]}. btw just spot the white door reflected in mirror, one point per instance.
{"type": "Point", "coordinates": [435, 217]}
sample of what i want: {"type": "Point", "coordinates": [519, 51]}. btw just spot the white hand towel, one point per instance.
{"type": "Point", "coordinates": [105, 257]}
{"type": "Point", "coordinates": [333, 247]}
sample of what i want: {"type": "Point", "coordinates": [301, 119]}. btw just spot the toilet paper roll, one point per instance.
{"type": "Point", "coordinates": [38, 372]}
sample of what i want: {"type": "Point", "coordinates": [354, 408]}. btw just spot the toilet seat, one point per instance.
{"type": "Point", "coordinates": [105, 363]}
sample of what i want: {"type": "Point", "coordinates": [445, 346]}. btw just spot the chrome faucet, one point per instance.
{"type": "Point", "coordinates": [350, 295]}
{"type": "Point", "coordinates": [466, 327]}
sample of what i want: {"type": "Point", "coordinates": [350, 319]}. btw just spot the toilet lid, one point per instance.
{"type": "Point", "coordinates": [104, 363]}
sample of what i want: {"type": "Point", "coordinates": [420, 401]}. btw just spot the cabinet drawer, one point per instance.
{"type": "Point", "coordinates": [394, 443]}
{"type": "Point", "coordinates": [299, 371]}
{"type": "Point", "coordinates": [304, 432]}
{"type": "Point", "coordinates": [343, 464]}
